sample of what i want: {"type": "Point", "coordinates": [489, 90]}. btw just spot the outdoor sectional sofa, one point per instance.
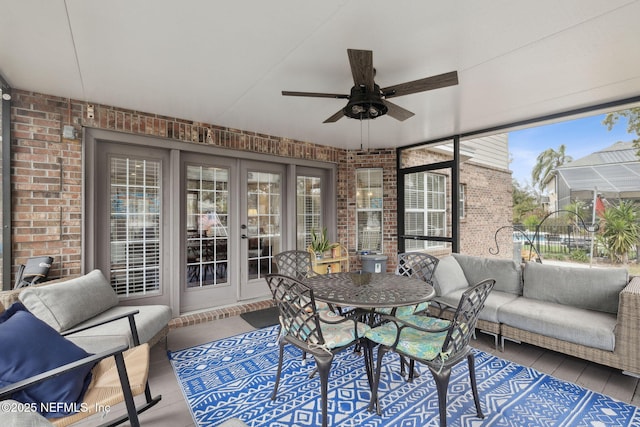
{"type": "Point", "coordinates": [71, 305]}
{"type": "Point", "coordinates": [590, 313]}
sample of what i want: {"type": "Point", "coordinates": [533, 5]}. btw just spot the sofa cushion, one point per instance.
{"type": "Point", "coordinates": [506, 272]}
{"type": "Point", "coordinates": [492, 304]}
{"type": "Point", "coordinates": [149, 321]}
{"type": "Point", "coordinates": [64, 305]}
{"type": "Point", "coordinates": [448, 276]}
{"type": "Point", "coordinates": [31, 347]}
{"type": "Point", "coordinates": [589, 288]}
{"type": "Point", "coordinates": [577, 325]}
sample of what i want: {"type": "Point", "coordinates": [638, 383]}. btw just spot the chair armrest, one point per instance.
{"type": "Point", "coordinates": [132, 324]}
{"type": "Point", "coordinates": [437, 308]}
{"type": "Point", "coordinates": [402, 323]}
{"type": "Point", "coordinates": [7, 391]}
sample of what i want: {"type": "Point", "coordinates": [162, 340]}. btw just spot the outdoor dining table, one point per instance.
{"type": "Point", "coordinates": [369, 290]}
{"type": "Point", "coordinates": [365, 292]}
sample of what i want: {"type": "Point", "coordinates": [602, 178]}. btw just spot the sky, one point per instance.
{"type": "Point", "coordinates": [581, 137]}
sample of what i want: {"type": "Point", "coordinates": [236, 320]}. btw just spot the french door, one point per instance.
{"type": "Point", "coordinates": [232, 227]}
{"type": "Point", "coordinates": [207, 232]}
{"type": "Point", "coordinates": [261, 228]}
{"type": "Point", "coordinates": [195, 230]}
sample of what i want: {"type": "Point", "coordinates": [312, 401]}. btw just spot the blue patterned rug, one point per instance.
{"type": "Point", "coordinates": [234, 377]}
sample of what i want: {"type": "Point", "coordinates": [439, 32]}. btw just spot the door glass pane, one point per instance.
{"type": "Point", "coordinates": [263, 222]}
{"type": "Point", "coordinates": [207, 219]}
{"type": "Point", "coordinates": [308, 209]}
{"type": "Point", "coordinates": [134, 226]}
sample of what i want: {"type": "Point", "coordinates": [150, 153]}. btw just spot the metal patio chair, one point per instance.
{"type": "Point", "coordinates": [439, 344]}
{"type": "Point", "coordinates": [302, 326]}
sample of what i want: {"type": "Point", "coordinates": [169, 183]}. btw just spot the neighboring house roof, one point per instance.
{"type": "Point", "coordinates": [614, 171]}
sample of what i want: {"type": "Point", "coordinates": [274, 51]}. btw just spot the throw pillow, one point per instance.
{"type": "Point", "coordinates": [506, 272]}
{"type": "Point", "coordinates": [31, 347]}
{"type": "Point", "coordinates": [449, 276]}
{"type": "Point", "coordinates": [64, 305]}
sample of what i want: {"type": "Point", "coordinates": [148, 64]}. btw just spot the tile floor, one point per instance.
{"type": "Point", "coordinates": [172, 411]}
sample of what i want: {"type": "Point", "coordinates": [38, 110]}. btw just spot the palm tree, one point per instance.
{"type": "Point", "coordinates": [547, 161]}
{"type": "Point", "coordinates": [621, 229]}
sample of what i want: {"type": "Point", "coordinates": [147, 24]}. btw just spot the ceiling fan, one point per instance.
{"type": "Point", "coordinates": [367, 100]}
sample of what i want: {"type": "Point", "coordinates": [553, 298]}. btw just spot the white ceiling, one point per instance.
{"type": "Point", "coordinates": [226, 62]}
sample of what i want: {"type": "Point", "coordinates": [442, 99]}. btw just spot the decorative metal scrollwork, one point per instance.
{"type": "Point", "coordinates": [532, 247]}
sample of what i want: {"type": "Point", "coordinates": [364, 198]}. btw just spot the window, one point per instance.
{"type": "Point", "coordinates": [369, 209]}
{"type": "Point", "coordinates": [308, 209]}
{"type": "Point", "coordinates": [135, 226]}
{"type": "Point", "coordinates": [425, 208]}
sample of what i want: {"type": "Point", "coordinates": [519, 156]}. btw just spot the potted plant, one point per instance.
{"type": "Point", "coordinates": [320, 243]}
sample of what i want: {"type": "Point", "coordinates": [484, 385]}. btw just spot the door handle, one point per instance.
{"type": "Point", "coordinates": [244, 236]}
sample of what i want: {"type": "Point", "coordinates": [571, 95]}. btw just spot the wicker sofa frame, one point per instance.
{"type": "Point", "coordinates": [626, 353]}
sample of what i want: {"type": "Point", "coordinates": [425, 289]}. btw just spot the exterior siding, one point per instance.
{"type": "Point", "coordinates": [491, 151]}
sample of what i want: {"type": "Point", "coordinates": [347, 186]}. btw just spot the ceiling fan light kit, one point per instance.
{"type": "Point", "coordinates": [367, 100]}
{"type": "Point", "coordinates": [365, 105]}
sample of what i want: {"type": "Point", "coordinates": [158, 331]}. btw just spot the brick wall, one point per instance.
{"type": "Point", "coordinates": [488, 203]}
{"type": "Point", "coordinates": [46, 169]}
{"type": "Point", "coordinates": [489, 207]}
{"type": "Point", "coordinates": [376, 158]}
{"type": "Point", "coordinates": [46, 176]}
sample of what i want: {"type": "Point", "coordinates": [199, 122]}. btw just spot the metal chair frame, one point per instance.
{"type": "Point", "coordinates": [421, 266]}
{"type": "Point", "coordinates": [455, 347]}
{"type": "Point", "coordinates": [294, 263]}
{"type": "Point", "coordinates": [300, 326]}
{"type": "Point", "coordinates": [119, 354]}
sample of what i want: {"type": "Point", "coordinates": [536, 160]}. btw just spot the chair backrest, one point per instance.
{"type": "Point", "coordinates": [296, 264]}
{"type": "Point", "coordinates": [466, 316]}
{"type": "Point", "coordinates": [34, 271]}
{"type": "Point", "coordinates": [417, 264]}
{"type": "Point", "coordinates": [299, 318]}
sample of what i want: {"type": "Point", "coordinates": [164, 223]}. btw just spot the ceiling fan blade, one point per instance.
{"type": "Point", "coordinates": [361, 62]}
{"type": "Point", "coordinates": [397, 112]}
{"type": "Point", "coordinates": [337, 116]}
{"type": "Point", "coordinates": [421, 85]}
{"type": "Point", "coordinates": [315, 94]}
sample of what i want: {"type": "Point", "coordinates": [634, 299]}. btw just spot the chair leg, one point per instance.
{"type": "Point", "coordinates": [442, 377]}
{"type": "Point", "coordinates": [126, 390]}
{"type": "Point", "coordinates": [373, 403]}
{"type": "Point", "coordinates": [275, 386]}
{"type": "Point", "coordinates": [324, 366]}
{"type": "Point", "coordinates": [474, 386]}
{"type": "Point", "coordinates": [412, 370]}
{"type": "Point", "coordinates": [403, 362]}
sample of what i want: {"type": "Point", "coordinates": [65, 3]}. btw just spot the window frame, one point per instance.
{"type": "Point", "coordinates": [367, 200]}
